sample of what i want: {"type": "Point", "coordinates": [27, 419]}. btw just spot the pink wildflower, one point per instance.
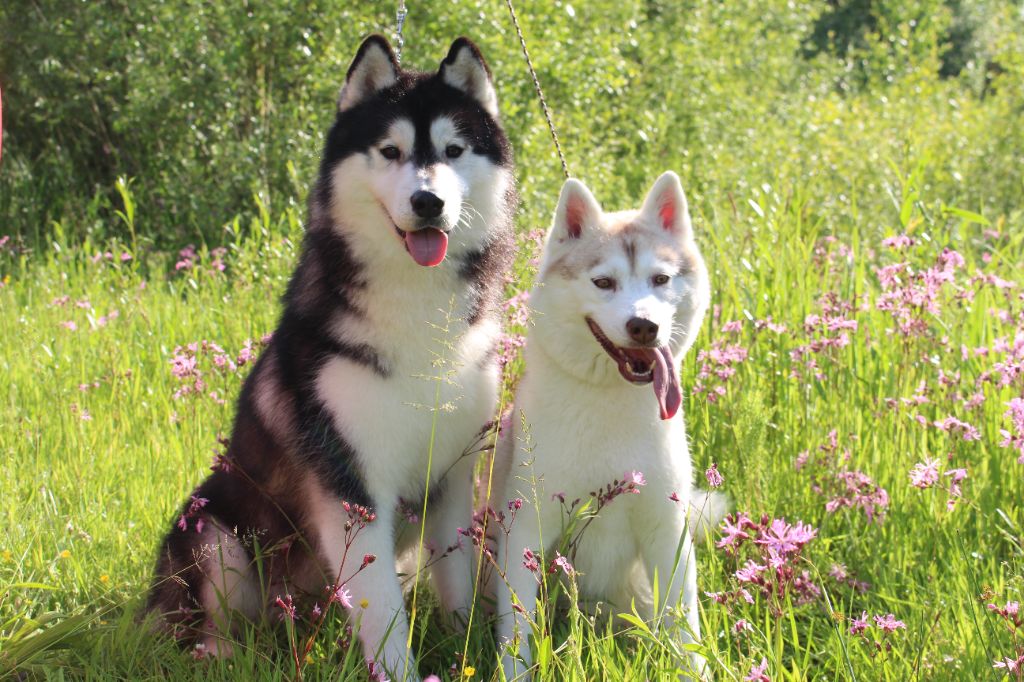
{"type": "Point", "coordinates": [183, 366]}
{"type": "Point", "coordinates": [376, 671]}
{"type": "Point", "coordinates": [287, 607]}
{"type": "Point", "coordinates": [517, 309]}
{"type": "Point", "coordinates": [750, 572]}
{"type": "Point", "coordinates": [783, 539]}
{"type": "Point", "coordinates": [634, 478]}
{"type": "Point", "coordinates": [530, 562]}
{"type": "Point", "coordinates": [757, 672]}
{"type": "Point", "coordinates": [339, 594]}
{"type": "Point", "coordinates": [952, 425]}
{"type": "Point", "coordinates": [899, 242]}
{"type": "Point", "coordinates": [713, 476]}
{"type": "Point", "coordinates": [510, 345]}
{"type": "Point", "coordinates": [888, 623]}
{"type": "Point", "coordinates": [733, 529]}
{"type": "Point", "coordinates": [1011, 665]}
{"type": "Point", "coordinates": [1014, 438]}
{"type": "Point", "coordinates": [925, 474]}
{"type": "Point", "coordinates": [186, 258]}
{"type": "Point", "coordinates": [859, 625]}
{"type": "Point", "coordinates": [563, 563]}
{"type": "Point", "coordinates": [717, 366]}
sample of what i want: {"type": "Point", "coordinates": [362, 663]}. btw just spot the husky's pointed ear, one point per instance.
{"type": "Point", "coordinates": [577, 210]}
{"type": "Point", "coordinates": [374, 68]}
{"type": "Point", "coordinates": [465, 69]}
{"type": "Point", "coordinates": [665, 205]}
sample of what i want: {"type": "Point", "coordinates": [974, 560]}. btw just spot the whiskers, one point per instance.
{"type": "Point", "coordinates": [679, 335]}
{"type": "Point", "coordinates": [467, 214]}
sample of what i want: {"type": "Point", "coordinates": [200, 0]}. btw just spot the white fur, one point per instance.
{"type": "Point", "coordinates": [586, 425]}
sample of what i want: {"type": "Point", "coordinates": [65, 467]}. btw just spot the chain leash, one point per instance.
{"type": "Point", "coordinates": [540, 93]}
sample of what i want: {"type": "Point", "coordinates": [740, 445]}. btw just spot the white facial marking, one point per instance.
{"type": "Point", "coordinates": [633, 294]}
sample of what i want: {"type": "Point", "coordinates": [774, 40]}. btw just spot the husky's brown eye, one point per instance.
{"type": "Point", "coordinates": [604, 282]}
{"type": "Point", "coordinates": [453, 151]}
{"type": "Point", "coordinates": [661, 280]}
{"type": "Point", "coordinates": [390, 152]}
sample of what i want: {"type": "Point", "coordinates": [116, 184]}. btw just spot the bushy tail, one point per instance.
{"type": "Point", "coordinates": [707, 509]}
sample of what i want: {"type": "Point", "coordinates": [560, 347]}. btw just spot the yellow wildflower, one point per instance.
{"type": "Point", "coordinates": [363, 603]}
{"type": "Point", "coordinates": [65, 554]}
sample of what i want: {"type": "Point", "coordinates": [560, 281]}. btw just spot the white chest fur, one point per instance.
{"type": "Point", "coordinates": [439, 389]}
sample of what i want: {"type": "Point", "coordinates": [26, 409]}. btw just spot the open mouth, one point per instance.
{"type": "Point", "coordinates": [646, 365]}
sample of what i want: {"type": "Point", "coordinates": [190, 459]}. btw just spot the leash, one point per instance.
{"type": "Point", "coordinates": [540, 93]}
{"type": "Point", "coordinates": [399, 39]}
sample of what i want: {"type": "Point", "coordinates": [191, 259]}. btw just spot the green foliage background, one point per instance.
{"type": "Point", "coordinates": [805, 131]}
{"type": "Point", "coordinates": [206, 104]}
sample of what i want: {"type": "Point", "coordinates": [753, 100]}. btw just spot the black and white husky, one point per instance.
{"type": "Point", "coordinates": [408, 241]}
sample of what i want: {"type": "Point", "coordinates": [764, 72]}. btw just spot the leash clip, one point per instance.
{"type": "Point", "coordinates": [399, 39]}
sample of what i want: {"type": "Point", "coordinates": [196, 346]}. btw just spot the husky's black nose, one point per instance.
{"type": "Point", "coordinates": [426, 204]}
{"type": "Point", "coordinates": [642, 331]}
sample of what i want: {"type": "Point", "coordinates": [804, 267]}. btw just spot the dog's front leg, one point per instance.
{"type": "Point", "coordinates": [516, 593]}
{"type": "Point", "coordinates": [453, 573]}
{"type": "Point", "coordinates": [659, 555]}
{"type": "Point", "coordinates": [373, 591]}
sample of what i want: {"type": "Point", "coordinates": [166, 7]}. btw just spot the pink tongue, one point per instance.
{"type": "Point", "coordinates": [427, 246]}
{"type": "Point", "coordinates": [666, 383]}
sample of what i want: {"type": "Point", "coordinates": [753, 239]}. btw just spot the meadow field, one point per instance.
{"type": "Point", "coordinates": [855, 172]}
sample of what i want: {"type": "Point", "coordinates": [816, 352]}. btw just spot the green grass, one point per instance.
{"type": "Point", "coordinates": [794, 177]}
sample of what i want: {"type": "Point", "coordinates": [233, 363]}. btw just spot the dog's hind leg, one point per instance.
{"type": "Point", "coordinates": [205, 582]}
{"type": "Point", "coordinates": [230, 589]}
